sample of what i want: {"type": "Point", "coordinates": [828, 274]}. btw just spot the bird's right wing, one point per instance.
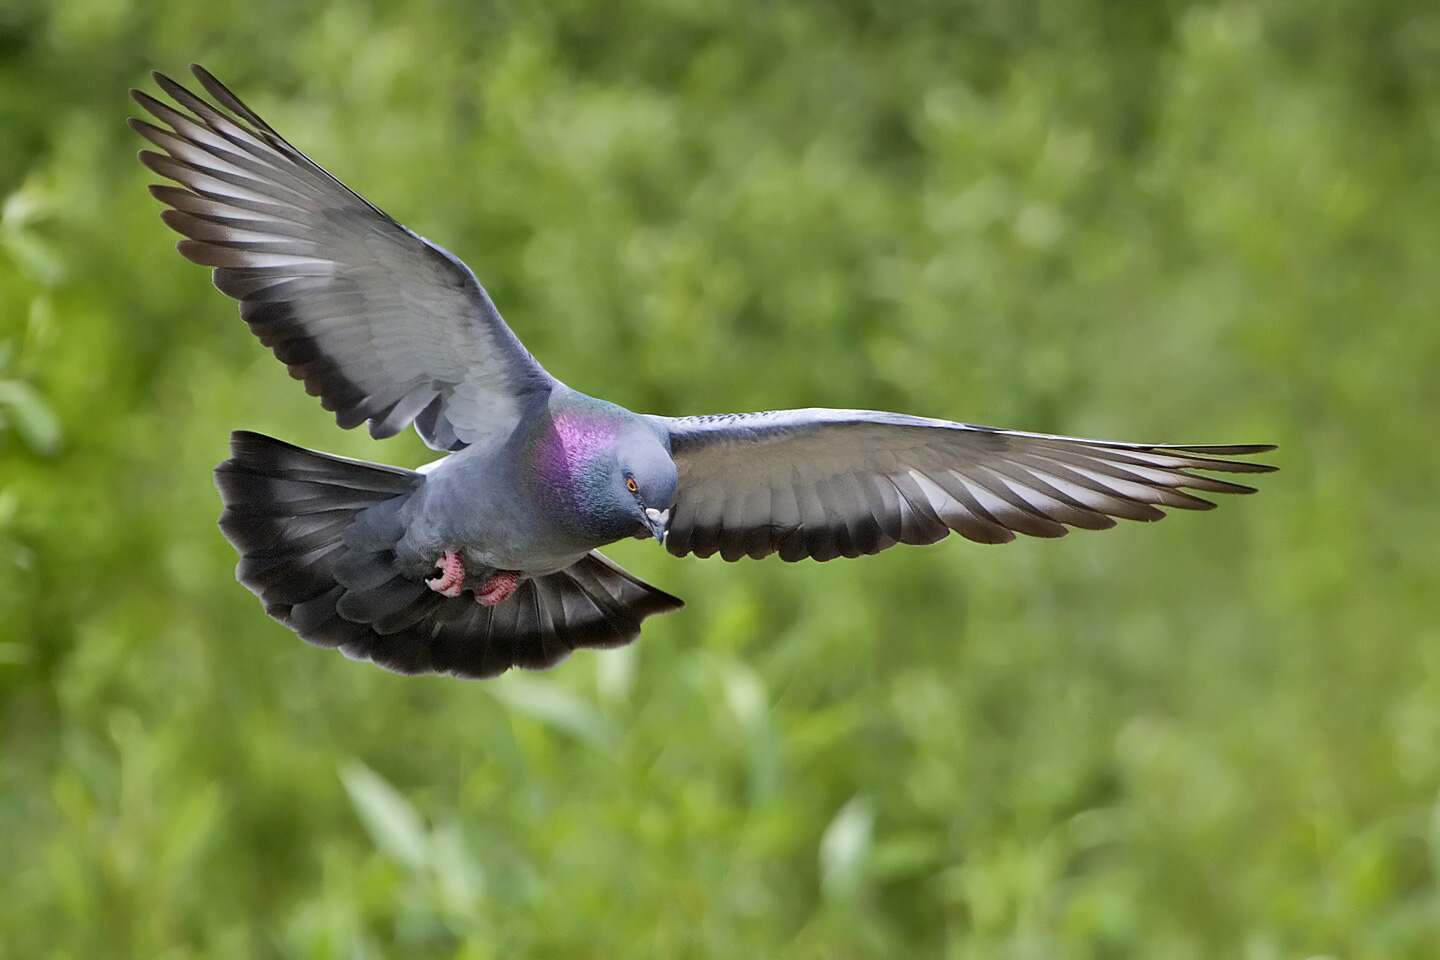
{"type": "Point", "coordinates": [379, 323]}
{"type": "Point", "coordinates": [830, 483]}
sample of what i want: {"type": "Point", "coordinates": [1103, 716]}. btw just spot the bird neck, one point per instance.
{"type": "Point", "coordinates": [570, 458]}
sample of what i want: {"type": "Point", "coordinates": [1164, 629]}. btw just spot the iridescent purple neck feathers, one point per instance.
{"type": "Point", "coordinates": [567, 448]}
{"type": "Point", "coordinates": [595, 468]}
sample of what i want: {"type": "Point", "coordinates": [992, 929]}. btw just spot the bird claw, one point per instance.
{"type": "Point", "coordinates": [497, 588]}
{"type": "Point", "coordinates": [452, 575]}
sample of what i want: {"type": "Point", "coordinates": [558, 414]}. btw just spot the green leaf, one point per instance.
{"type": "Point", "coordinates": [459, 877]}
{"type": "Point", "coordinates": [845, 848]}
{"type": "Point", "coordinates": [35, 256]}
{"type": "Point", "coordinates": [556, 707]}
{"type": "Point", "coordinates": [390, 819]}
{"type": "Point", "coordinates": [32, 417]}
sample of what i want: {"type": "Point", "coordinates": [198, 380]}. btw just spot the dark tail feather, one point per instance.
{"type": "Point", "coordinates": [591, 603]}
{"type": "Point", "coordinates": [316, 536]}
{"type": "Point", "coordinates": [298, 518]}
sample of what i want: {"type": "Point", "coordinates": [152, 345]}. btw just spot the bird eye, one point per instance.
{"type": "Point", "coordinates": [631, 485]}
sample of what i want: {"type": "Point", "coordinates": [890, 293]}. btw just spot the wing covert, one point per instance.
{"type": "Point", "coordinates": [380, 324]}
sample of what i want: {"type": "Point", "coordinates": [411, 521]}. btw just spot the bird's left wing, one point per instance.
{"type": "Point", "coordinates": [830, 483]}
{"type": "Point", "coordinates": [379, 323]}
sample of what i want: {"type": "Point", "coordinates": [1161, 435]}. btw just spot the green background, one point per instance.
{"type": "Point", "coordinates": [1155, 220]}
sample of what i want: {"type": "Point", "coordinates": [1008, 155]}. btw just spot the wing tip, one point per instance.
{"type": "Point", "coordinates": [172, 87]}
{"type": "Point", "coordinates": [1214, 456]}
{"type": "Point", "coordinates": [207, 80]}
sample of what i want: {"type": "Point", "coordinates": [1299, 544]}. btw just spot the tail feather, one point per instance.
{"type": "Point", "coordinates": [591, 603]}
{"type": "Point", "coordinates": [317, 533]}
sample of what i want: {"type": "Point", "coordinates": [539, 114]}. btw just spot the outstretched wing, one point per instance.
{"type": "Point", "coordinates": [832, 483]}
{"type": "Point", "coordinates": [379, 323]}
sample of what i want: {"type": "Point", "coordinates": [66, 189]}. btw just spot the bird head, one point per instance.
{"type": "Point", "coordinates": [648, 477]}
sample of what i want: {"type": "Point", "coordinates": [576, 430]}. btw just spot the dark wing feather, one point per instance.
{"type": "Point", "coordinates": [379, 323]}
{"type": "Point", "coordinates": [831, 483]}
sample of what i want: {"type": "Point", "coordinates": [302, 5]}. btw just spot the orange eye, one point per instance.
{"type": "Point", "coordinates": [631, 485]}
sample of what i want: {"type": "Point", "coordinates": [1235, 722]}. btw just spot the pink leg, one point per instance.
{"type": "Point", "coordinates": [498, 588]}
{"type": "Point", "coordinates": [452, 575]}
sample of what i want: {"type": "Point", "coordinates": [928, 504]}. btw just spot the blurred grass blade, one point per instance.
{"type": "Point", "coordinates": [32, 417]}
{"type": "Point", "coordinates": [35, 256]}
{"type": "Point", "coordinates": [744, 694]}
{"type": "Point", "coordinates": [390, 819]}
{"type": "Point", "coordinates": [556, 707]}
{"type": "Point", "coordinates": [459, 876]}
{"type": "Point", "coordinates": [845, 849]}
{"type": "Point", "coordinates": [615, 675]}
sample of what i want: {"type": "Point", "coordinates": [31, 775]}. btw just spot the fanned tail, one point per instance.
{"type": "Point", "coordinates": [591, 603]}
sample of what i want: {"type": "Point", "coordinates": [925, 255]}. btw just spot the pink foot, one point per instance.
{"type": "Point", "coordinates": [498, 588]}
{"type": "Point", "coordinates": [452, 575]}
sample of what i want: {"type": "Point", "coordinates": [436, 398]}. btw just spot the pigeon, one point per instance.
{"type": "Point", "coordinates": [489, 557]}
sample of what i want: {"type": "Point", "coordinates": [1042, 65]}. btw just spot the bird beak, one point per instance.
{"type": "Point", "coordinates": [658, 521]}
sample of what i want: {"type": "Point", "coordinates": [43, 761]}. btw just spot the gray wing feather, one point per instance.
{"type": "Point", "coordinates": [828, 483]}
{"type": "Point", "coordinates": [380, 324]}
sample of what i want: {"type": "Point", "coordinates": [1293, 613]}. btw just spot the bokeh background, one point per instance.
{"type": "Point", "coordinates": [1152, 220]}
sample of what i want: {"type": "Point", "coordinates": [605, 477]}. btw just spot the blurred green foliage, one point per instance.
{"type": "Point", "coordinates": [1159, 219]}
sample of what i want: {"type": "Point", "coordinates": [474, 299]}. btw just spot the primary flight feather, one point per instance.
{"type": "Point", "coordinates": [489, 558]}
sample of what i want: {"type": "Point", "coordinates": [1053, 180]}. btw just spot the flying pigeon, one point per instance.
{"type": "Point", "coordinates": [489, 558]}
